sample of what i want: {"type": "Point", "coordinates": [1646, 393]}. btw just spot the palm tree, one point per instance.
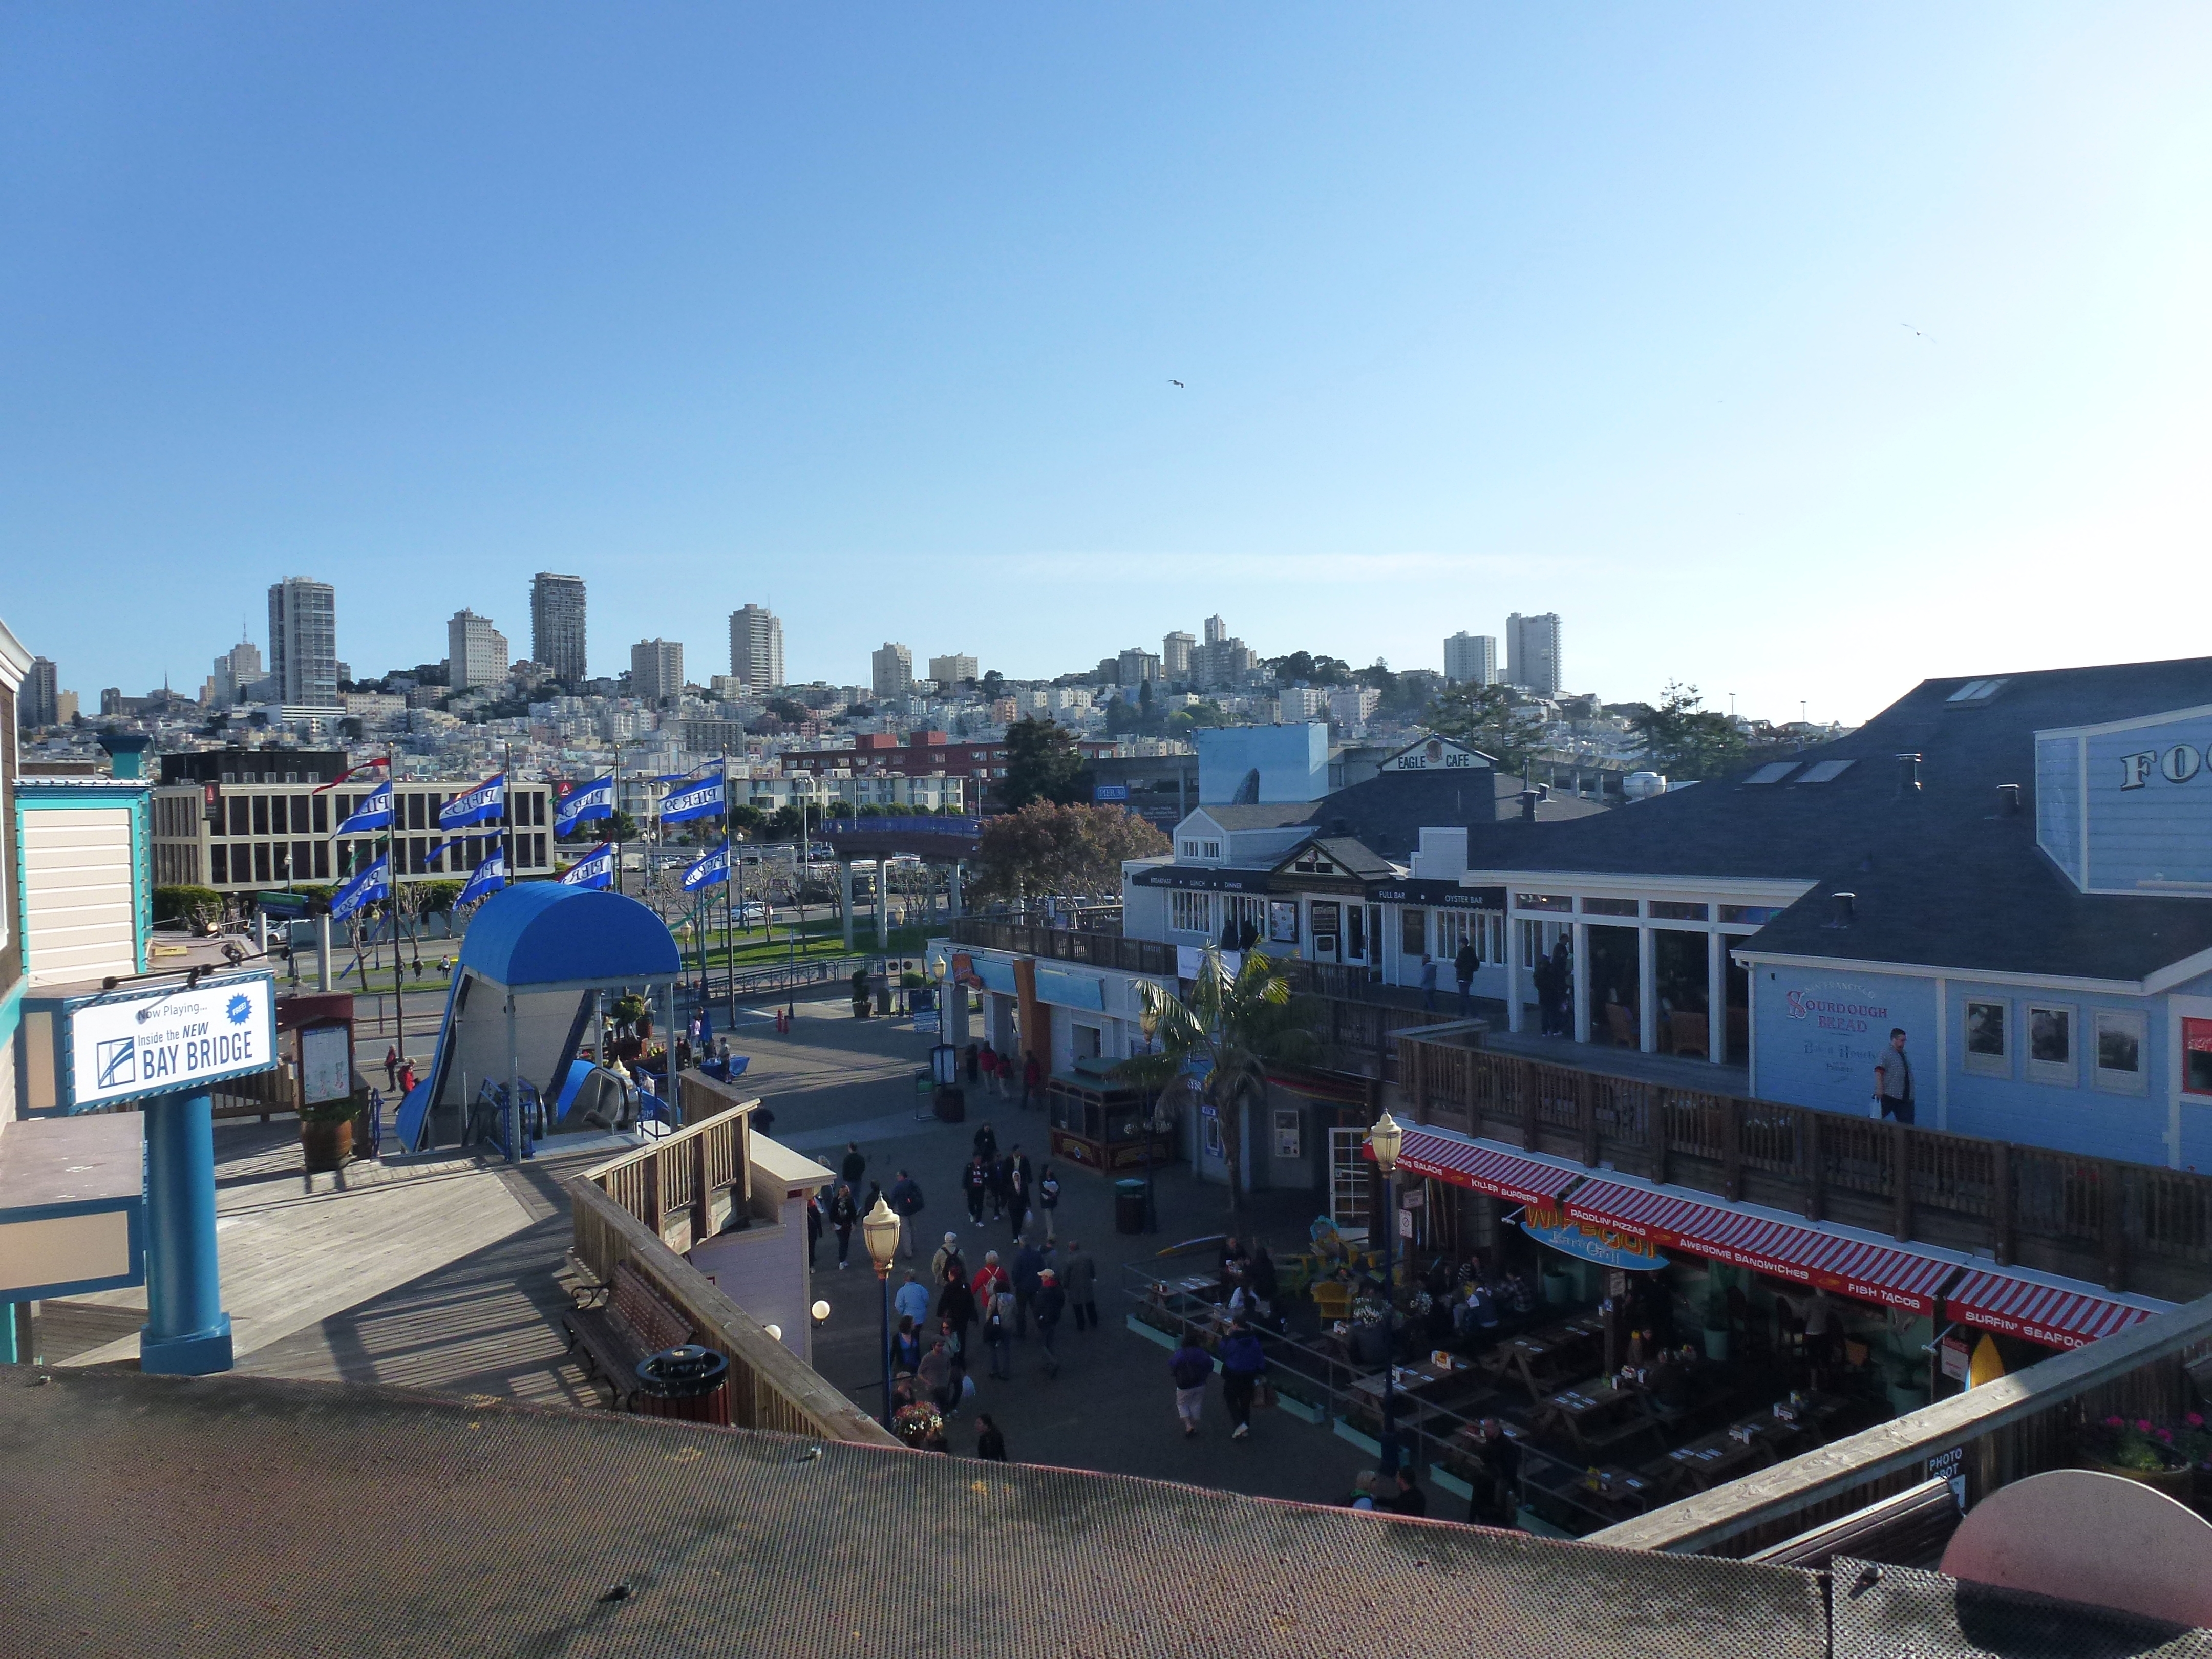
{"type": "Point", "coordinates": [1222, 1037]}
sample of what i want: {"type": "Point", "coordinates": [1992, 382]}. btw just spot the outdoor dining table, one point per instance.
{"type": "Point", "coordinates": [1721, 1456]}
{"type": "Point", "coordinates": [1539, 1360]}
{"type": "Point", "coordinates": [1594, 1413]}
{"type": "Point", "coordinates": [1612, 1494]}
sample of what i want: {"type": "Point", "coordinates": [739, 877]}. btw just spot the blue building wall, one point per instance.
{"type": "Point", "coordinates": [1293, 762]}
{"type": "Point", "coordinates": [1819, 1033]}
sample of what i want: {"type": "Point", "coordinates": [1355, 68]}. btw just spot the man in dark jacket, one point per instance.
{"type": "Point", "coordinates": [1464, 967]}
{"type": "Point", "coordinates": [844, 1211]}
{"type": "Point", "coordinates": [1409, 1499]}
{"type": "Point", "coordinates": [906, 1204]}
{"type": "Point", "coordinates": [1259, 1283]}
{"type": "Point", "coordinates": [1051, 1302]}
{"type": "Point", "coordinates": [1020, 1184]}
{"type": "Point", "coordinates": [1078, 1275]}
{"type": "Point", "coordinates": [1029, 1266]}
{"type": "Point", "coordinates": [1244, 1362]}
{"type": "Point", "coordinates": [955, 1303]}
{"type": "Point", "coordinates": [854, 1168]}
{"type": "Point", "coordinates": [990, 1444]}
{"type": "Point", "coordinates": [1496, 1499]}
{"type": "Point", "coordinates": [1189, 1365]}
{"type": "Point", "coordinates": [975, 1185]}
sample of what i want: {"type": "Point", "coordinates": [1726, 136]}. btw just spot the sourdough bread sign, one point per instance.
{"type": "Point", "coordinates": [126, 1045]}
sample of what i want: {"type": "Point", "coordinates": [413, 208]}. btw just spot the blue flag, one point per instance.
{"type": "Point", "coordinates": [487, 800]}
{"type": "Point", "coordinates": [490, 876]}
{"type": "Point", "coordinates": [370, 886]}
{"type": "Point", "coordinates": [701, 797]}
{"type": "Point", "coordinates": [587, 801]}
{"type": "Point", "coordinates": [709, 870]}
{"type": "Point", "coordinates": [371, 811]}
{"type": "Point", "coordinates": [594, 869]}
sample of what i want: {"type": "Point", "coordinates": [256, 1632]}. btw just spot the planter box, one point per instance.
{"type": "Point", "coordinates": [1445, 1481]}
{"type": "Point", "coordinates": [1299, 1409]}
{"type": "Point", "coordinates": [1366, 1443]}
{"type": "Point", "coordinates": [1152, 1332]}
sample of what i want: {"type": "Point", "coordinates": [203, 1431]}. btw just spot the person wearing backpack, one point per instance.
{"type": "Point", "coordinates": [997, 1332]}
{"type": "Point", "coordinates": [1244, 1362]}
{"type": "Point", "coordinates": [1047, 1199]}
{"type": "Point", "coordinates": [1189, 1365]}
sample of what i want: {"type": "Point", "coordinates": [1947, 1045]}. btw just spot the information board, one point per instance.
{"type": "Point", "coordinates": [125, 1045]}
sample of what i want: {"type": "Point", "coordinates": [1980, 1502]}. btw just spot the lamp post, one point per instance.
{"type": "Point", "coordinates": [880, 1228]}
{"type": "Point", "coordinates": [1385, 1138]}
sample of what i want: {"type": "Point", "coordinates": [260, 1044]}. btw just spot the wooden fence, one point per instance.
{"type": "Point", "coordinates": [685, 1183]}
{"type": "Point", "coordinates": [1130, 956]}
{"type": "Point", "coordinates": [2128, 1226]}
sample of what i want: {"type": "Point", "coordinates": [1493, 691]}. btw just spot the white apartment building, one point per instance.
{"type": "Point", "coordinates": [656, 669]}
{"type": "Point", "coordinates": [1471, 658]}
{"type": "Point", "coordinates": [756, 648]}
{"type": "Point", "coordinates": [1300, 703]}
{"type": "Point", "coordinates": [1532, 653]}
{"type": "Point", "coordinates": [893, 670]}
{"type": "Point", "coordinates": [951, 671]}
{"type": "Point", "coordinates": [303, 652]}
{"type": "Point", "coordinates": [476, 652]}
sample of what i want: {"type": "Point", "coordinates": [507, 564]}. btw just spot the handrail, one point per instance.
{"type": "Point", "coordinates": [770, 1386]}
{"type": "Point", "coordinates": [1128, 956]}
{"type": "Point", "coordinates": [1697, 1524]}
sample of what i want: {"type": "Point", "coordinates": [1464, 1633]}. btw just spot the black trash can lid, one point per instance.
{"type": "Point", "coordinates": [680, 1372]}
{"type": "Point", "coordinates": [1128, 1184]}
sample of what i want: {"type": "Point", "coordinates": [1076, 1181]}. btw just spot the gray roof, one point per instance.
{"type": "Point", "coordinates": [1269, 815]}
{"type": "Point", "coordinates": [1387, 813]}
{"type": "Point", "coordinates": [1941, 878]}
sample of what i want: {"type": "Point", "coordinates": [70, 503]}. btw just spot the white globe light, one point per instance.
{"type": "Point", "coordinates": [821, 1311]}
{"type": "Point", "coordinates": [776, 1331]}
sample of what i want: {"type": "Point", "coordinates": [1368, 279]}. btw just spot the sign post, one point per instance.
{"type": "Point", "coordinates": [165, 1046]}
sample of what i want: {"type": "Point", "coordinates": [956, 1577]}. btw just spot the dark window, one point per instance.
{"type": "Point", "coordinates": [238, 823]}
{"type": "Point", "coordinates": [219, 865]}
{"type": "Point", "coordinates": [1757, 914]}
{"type": "Point", "coordinates": [1675, 910]}
{"type": "Point", "coordinates": [322, 815]}
{"type": "Point", "coordinates": [1412, 931]}
{"type": "Point", "coordinates": [261, 860]}
{"type": "Point", "coordinates": [303, 860]}
{"type": "Point", "coordinates": [537, 850]}
{"type": "Point", "coordinates": [415, 812]}
{"type": "Point", "coordinates": [322, 861]}
{"type": "Point", "coordinates": [1606, 907]}
{"type": "Point", "coordinates": [2197, 1056]}
{"type": "Point", "coordinates": [261, 815]}
{"type": "Point", "coordinates": [279, 857]}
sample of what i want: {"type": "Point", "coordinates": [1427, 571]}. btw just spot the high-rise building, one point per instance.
{"type": "Point", "coordinates": [1174, 657]}
{"type": "Point", "coordinates": [656, 669]}
{"type": "Point", "coordinates": [1532, 653]}
{"type": "Point", "coordinates": [1222, 664]}
{"type": "Point", "coordinates": [235, 671]}
{"type": "Point", "coordinates": [556, 626]}
{"type": "Point", "coordinates": [951, 671]}
{"type": "Point", "coordinates": [1216, 630]}
{"type": "Point", "coordinates": [39, 702]}
{"type": "Point", "coordinates": [1471, 658]}
{"type": "Point", "coordinates": [894, 670]}
{"type": "Point", "coordinates": [303, 642]}
{"type": "Point", "coordinates": [757, 647]}
{"type": "Point", "coordinates": [476, 652]}
{"type": "Point", "coordinates": [1135, 665]}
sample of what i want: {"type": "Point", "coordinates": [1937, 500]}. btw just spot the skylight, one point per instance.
{"type": "Point", "coordinates": [1975, 691]}
{"type": "Point", "coordinates": [1828, 771]}
{"type": "Point", "coordinates": [1772, 772]}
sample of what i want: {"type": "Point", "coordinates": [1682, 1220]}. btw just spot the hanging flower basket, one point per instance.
{"type": "Point", "coordinates": [1367, 1311]}
{"type": "Point", "coordinates": [2139, 1450]}
{"type": "Point", "coordinates": [918, 1423]}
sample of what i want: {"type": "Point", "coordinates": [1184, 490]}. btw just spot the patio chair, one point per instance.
{"type": "Point", "coordinates": [1332, 1299]}
{"type": "Point", "coordinates": [1693, 1033]}
{"type": "Point", "coordinates": [1620, 1026]}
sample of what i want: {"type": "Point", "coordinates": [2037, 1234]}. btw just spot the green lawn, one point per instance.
{"type": "Point", "coordinates": [821, 938]}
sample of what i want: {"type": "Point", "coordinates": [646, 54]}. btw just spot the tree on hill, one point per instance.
{"type": "Point", "coordinates": [1048, 847]}
{"type": "Point", "coordinates": [1042, 763]}
{"type": "Point", "coordinates": [1484, 717]}
{"type": "Point", "coordinates": [1684, 739]}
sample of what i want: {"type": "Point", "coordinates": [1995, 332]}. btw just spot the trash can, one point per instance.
{"type": "Point", "coordinates": [951, 1104]}
{"type": "Point", "coordinates": [1128, 1207]}
{"type": "Point", "coordinates": [692, 1384]}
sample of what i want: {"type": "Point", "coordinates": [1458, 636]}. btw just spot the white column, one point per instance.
{"type": "Point", "coordinates": [1647, 991]}
{"type": "Point", "coordinates": [844, 892]}
{"type": "Point", "coordinates": [1513, 965]}
{"type": "Point", "coordinates": [1716, 997]}
{"type": "Point", "coordinates": [1582, 983]}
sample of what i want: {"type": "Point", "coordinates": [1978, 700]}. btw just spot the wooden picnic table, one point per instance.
{"type": "Point", "coordinates": [1420, 1375]}
{"type": "Point", "coordinates": [1541, 1360]}
{"type": "Point", "coordinates": [1594, 1413]}
{"type": "Point", "coordinates": [1721, 1456]}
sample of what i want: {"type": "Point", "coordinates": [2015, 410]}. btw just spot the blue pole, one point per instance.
{"type": "Point", "coordinates": [8, 1355]}
{"type": "Point", "coordinates": [187, 1332]}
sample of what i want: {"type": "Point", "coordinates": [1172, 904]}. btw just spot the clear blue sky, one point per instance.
{"type": "Point", "coordinates": [870, 312]}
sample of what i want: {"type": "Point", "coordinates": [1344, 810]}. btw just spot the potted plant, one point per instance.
{"type": "Point", "coordinates": [859, 994]}
{"type": "Point", "coordinates": [2135, 1449]}
{"type": "Point", "coordinates": [326, 1134]}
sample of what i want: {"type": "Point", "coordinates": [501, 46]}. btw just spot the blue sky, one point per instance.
{"type": "Point", "coordinates": [869, 313]}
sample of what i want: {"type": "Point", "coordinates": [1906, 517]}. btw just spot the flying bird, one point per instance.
{"type": "Point", "coordinates": [1178, 383]}
{"type": "Point", "coordinates": [1915, 332]}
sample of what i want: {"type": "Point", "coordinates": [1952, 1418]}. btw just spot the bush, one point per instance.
{"type": "Point", "coordinates": [195, 905]}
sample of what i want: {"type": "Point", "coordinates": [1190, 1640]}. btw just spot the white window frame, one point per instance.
{"type": "Point", "coordinates": [1986, 1064]}
{"type": "Point", "coordinates": [2066, 1074]}
{"type": "Point", "coordinates": [1241, 908]}
{"type": "Point", "coordinates": [2136, 1024]}
{"type": "Point", "coordinates": [1190, 910]}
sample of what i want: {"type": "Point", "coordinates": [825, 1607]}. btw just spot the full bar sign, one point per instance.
{"type": "Point", "coordinates": [125, 1045]}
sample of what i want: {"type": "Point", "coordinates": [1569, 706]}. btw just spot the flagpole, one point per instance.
{"type": "Point", "coordinates": [730, 847]}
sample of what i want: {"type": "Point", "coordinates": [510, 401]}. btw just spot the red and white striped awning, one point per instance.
{"type": "Point", "coordinates": [1873, 1273]}
{"type": "Point", "coordinates": [1483, 1168]}
{"type": "Point", "coordinates": [2040, 1313]}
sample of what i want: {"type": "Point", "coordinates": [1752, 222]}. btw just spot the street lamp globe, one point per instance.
{"type": "Point", "coordinates": [820, 1312]}
{"type": "Point", "coordinates": [776, 1331]}
{"type": "Point", "coordinates": [880, 1228]}
{"type": "Point", "coordinates": [1386, 1138]}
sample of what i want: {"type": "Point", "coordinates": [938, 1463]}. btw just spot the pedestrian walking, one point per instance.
{"type": "Point", "coordinates": [1893, 1080]}
{"type": "Point", "coordinates": [1002, 1182]}
{"type": "Point", "coordinates": [948, 1252]}
{"type": "Point", "coordinates": [991, 1280]}
{"type": "Point", "coordinates": [1028, 1264]}
{"type": "Point", "coordinates": [990, 1444]}
{"type": "Point", "coordinates": [843, 1213]}
{"type": "Point", "coordinates": [975, 1185]}
{"type": "Point", "coordinates": [1048, 1198]}
{"type": "Point", "coordinates": [1244, 1362]}
{"type": "Point", "coordinates": [1020, 1187]}
{"type": "Point", "coordinates": [392, 1066]}
{"type": "Point", "coordinates": [906, 1204]}
{"type": "Point", "coordinates": [1078, 1275]}
{"type": "Point", "coordinates": [1259, 1280]}
{"type": "Point", "coordinates": [987, 1143]}
{"type": "Point", "coordinates": [935, 1374]}
{"type": "Point", "coordinates": [1051, 1302]}
{"type": "Point", "coordinates": [854, 1170]}
{"type": "Point", "coordinates": [997, 1332]}
{"type": "Point", "coordinates": [956, 1304]}
{"type": "Point", "coordinates": [1189, 1366]}
{"type": "Point", "coordinates": [970, 1060]}
{"type": "Point", "coordinates": [1409, 1499]}
{"type": "Point", "coordinates": [1464, 967]}
{"type": "Point", "coordinates": [1428, 982]}
{"type": "Point", "coordinates": [813, 1225]}
{"type": "Point", "coordinates": [987, 1062]}
{"type": "Point", "coordinates": [762, 1120]}
{"type": "Point", "coordinates": [1032, 1081]}
{"type": "Point", "coordinates": [911, 1299]}
{"type": "Point", "coordinates": [906, 1346]}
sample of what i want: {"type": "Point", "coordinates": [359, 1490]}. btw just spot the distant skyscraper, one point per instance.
{"type": "Point", "coordinates": [476, 652]}
{"type": "Point", "coordinates": [1216, 630]}
{"type": "Point", "coordinates": [656, 669]}
{"type": "Point", "coordinates": [951, 671]}
{"type": "Point", "coordinates": [235, 671]}
{"type": "Point", "coordinates": [1471, 659]}
{"type": "Point", "coordinates": [1174, 657]}
{"type": "Point", "coordinates": [39, 702]}
{"type": "Point", "coordinates": [757, 647]}
{"type": "Point", "coordinates": [1532, 653]}
{"type": "Point", "coordinates": [1135, 665]}
{"type": "Point", "coordinates": [894, 670]}
{"type": "Point", "coordinates": [556, 626]}
{"type": "Point", "coordinates": [303, 642]}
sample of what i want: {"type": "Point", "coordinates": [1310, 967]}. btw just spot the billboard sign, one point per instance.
{"type": "Point", "coordinates": [126, 1045]}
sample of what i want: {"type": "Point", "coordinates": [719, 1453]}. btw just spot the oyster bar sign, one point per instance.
{"type": "Point", "coordinates": [124, 1045]}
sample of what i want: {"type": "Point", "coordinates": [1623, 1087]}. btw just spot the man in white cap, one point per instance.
{"type": "Point", "coordinates": [948, 1251]}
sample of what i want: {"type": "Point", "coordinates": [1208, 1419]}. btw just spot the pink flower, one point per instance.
{"type": "Point", "coordinates": [2166, 1435]}
{"type": "Point", "coordinates": [2195, 1419]}
{"type": "Point", "coordinates": [2114, 1423]}
{"type": "Point", "coordinates": [2142, 1426]}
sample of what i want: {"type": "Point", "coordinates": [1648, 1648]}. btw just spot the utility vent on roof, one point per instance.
{"type": "Point", "coordinates": [1772, 772]}
{"type": "Point", "coordinates": [1975, 691]}
{"type": "Point", "coordinates": [1828, 771]}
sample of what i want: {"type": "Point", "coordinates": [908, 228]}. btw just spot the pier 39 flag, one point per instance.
{"type": "Point", "coordinates": [488, 878]}
{"type": "Point", "coordinates": [370, 886]}
{"type": "Point", "coordinates": [594, 869]}
{"type": "Point", "coordinates": [371, 811]}
{"type": "Point", "coordinates": [587, 801]}
{"type": "Point", "coordinates": [487, 800]}
{"type": "Point", "coordinates": [697, 798]}
{"type": "Point", "coordinates": [709, 870]}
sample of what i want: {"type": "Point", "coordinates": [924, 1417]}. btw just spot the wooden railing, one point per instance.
{"type": "Point", "coordinates": [770, 1386]}
{"type": "Point", "coordinates": [672, 1184]}
{"type": "Point", "coordinates": [1129, 956]}
{"type": "Point", "coordinates": [1362, 1037]}
{"type": "Point", "coordinates": [2016, 1426]}
{"type": "Point", "coordinates": [2128, 1226]}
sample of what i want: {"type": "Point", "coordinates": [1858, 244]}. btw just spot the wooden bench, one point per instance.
{"type": "Point", "coordinates": [614, 1326]}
